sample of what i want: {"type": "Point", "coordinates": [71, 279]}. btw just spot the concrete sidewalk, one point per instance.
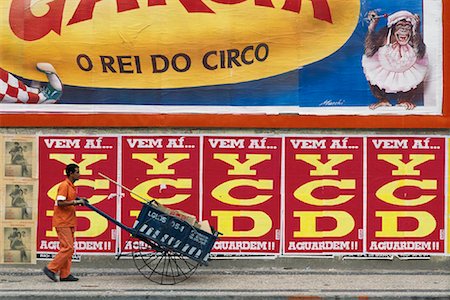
{"type": "Point", "coordinates": [281, 278]}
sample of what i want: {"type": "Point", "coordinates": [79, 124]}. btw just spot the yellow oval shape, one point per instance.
{"type": "Point", "coordinates": [184, 43]}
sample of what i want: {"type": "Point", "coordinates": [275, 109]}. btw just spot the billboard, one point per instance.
{"type": "Point", "coordinates": [327, 57]}
{"type": "Point", "coordinates": [93, 155]}
{"type": "Point", "coordinates": [161, 168]}
{"type": "Point", "coordinates": [406, 195]}
{"type": "Point", "coordinates": [242, 193]}
{"type": "Point", "coordinates": [324, 206]}
{"type": "Point", "coordinates": [267, 195]}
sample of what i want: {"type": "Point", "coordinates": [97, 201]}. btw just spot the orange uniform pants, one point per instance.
{"type": "Point", "coordinates": [63, 260]}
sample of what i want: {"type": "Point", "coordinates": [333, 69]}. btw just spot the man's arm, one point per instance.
{"type": "Point", "coordinates": [78, 201]}
{"type": "Point", "coordinates": [61, 198]}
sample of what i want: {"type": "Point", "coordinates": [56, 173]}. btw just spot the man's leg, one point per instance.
{"type": "Point", "coordinates": [25, 214]}
{"type": "Point", "coordinates": [65, 268]}
{"type": "Point", "coordinates": [23, 255]}
{"type": "Point", "coordinates": [53, 90]}
{"type": "Point", "coordinates": [63, 260]}
{"type": "Point", "coordinates": [25, 170]}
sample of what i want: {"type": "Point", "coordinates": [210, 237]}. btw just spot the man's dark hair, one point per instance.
{"type": "Point", "coordinates": [70, 168]}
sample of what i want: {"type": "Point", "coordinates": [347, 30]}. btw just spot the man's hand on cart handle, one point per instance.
{"type": "Point", "coordinates": [80, 201]}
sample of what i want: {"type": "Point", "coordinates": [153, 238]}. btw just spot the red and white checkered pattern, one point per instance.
{"type": "Point", "coordinates": [13, 90]}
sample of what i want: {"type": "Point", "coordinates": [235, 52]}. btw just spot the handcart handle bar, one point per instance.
{"type": "Point", "coordinates": [124, 227]}
{"type": "Point", "coordinates": [123, 187]}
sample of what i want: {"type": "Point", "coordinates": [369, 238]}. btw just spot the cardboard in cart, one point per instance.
{"type": "Point", "coordinates": [188, 218]}
{"type": "Point", "coordinates": [204, 225]}
{"type": "Point", "coordinates": [184, 216]}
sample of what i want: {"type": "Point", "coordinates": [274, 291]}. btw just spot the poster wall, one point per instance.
{"type": "Point", "coordinates": [18, 199]}
{"type": "Point", "coordinates": [241, 193]}
{"type": "Point", "coordinates": [161, 168]}
{"type": "Point", "coordinates": [210, 57]}
{"type": "Point", "coordinates": [93, 155]}
{"type": "Point", "coordinates": [18, 240]}
{"type": "Point", "coordinates": [267, 195]}
{"type": "Point", "coordinates": [324, 196]}
{"type": "Point", "coordinates": [406, 194]}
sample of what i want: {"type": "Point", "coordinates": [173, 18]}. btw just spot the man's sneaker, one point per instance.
{"type": "Point", "coordinates": [69, 278]}
{"type": "Point", "coordinates": [50, 274]}
{"type": "Point", "coordinates": [51, 93]}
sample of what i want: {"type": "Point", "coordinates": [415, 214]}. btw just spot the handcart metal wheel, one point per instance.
{"type": "Point", "coordinates": [162, 265]}
{"type": "Point", "coordinates": [169, 250]}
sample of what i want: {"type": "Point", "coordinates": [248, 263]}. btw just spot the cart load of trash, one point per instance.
{"type": "Point", "coordinates": [175, 230]}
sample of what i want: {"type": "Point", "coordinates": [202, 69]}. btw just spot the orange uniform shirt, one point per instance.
{"type": "Point", "coordinates": [64, 216]}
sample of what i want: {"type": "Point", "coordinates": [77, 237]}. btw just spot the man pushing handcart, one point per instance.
{"type": "Point", "coordinates": [172, 246]}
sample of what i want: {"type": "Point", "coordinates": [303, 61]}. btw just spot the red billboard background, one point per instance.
{"type": "Point", "coordinates": [241, 192]}
{"type": "Point", "coordinates": [162, 168]}
{"type": "Point", "coordinates": [405, 194]}
{"type": "Point", "coordinates": [324, 195]}
{"type": "Point", "coordinates": [266, 195]}
{"type": "Point", "coordinates": [93, 155]}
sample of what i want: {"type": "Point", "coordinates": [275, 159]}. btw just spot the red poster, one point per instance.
{"type": "Point", "coordinates": [324, 195]}
{"type": "Point", "coordinates": [161, 168]}
{"type": "Point", "coordinates": [93, 155]}
{"type": "Point", "coordinates": [241, 193]}
{"type": "Point", "coordinates": [405, 194]}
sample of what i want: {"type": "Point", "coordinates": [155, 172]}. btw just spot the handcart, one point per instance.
{"type": "Point", "coordinates": [169, 249]}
